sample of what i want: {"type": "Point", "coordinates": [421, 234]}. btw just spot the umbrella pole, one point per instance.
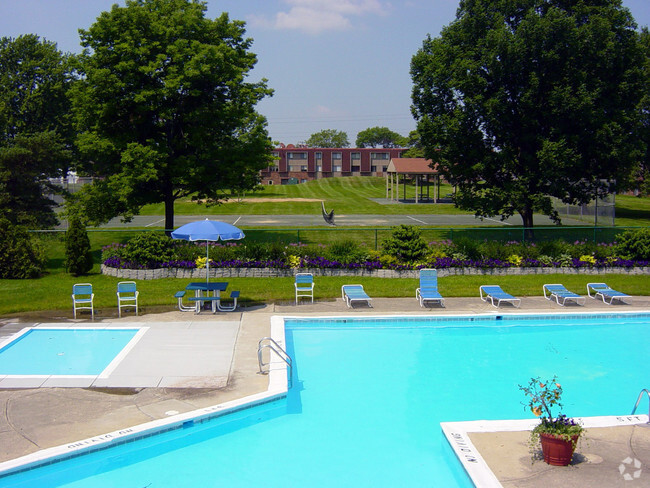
{"type": "Point", "coordinates": [207, 261]}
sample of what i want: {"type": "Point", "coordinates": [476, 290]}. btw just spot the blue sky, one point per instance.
{"type": "Point", "coordinates": [334, 64]}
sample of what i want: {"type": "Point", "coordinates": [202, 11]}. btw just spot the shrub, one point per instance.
{"type": "Point", "coordinates": [406, 243]}
{"type": "Point", "coordinates": [20, 255]}
{"type": "Point", "coordinates": [78, 258]}
{"type": "Point", "coordinates": [634, 244]}
{"type": "Point", "coordinates": [114, 250]}
{"type": "Point", "coordinates": [467, 249]}
{"type": "Point", "coordinates": [188, 251]}
{"type": "Point", "coordinates": [149, 247]}
{"type": "Point", "coordinates": [346, 252]}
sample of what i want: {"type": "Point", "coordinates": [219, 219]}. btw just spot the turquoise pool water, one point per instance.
{"type": "Point", "coordinates": [367, 401]}
{"type": "Point", "coordinates": [63, 351]}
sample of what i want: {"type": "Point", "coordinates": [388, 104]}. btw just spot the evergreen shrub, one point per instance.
{"type": "Point", "coordinates": [78, 257]}
{"type": "Point", "coordinates": [21, 256]}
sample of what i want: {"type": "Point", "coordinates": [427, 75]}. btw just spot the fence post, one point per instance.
{"type": "Point", "coordinates": [298, 232]}
{"type": "Point", "coordinates": [375, 239]}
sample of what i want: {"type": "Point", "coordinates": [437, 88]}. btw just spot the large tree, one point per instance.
{"type": "Point", "coordinates": [521, 100]}
{"type": "Point", "coordinates": [166, 109]}
{"type": "Point", "coordinates": [328, 138]}
{"type": "Point", "coordinates": [35, 127]}
{"type": "Point", "coordinates": [379, 137]}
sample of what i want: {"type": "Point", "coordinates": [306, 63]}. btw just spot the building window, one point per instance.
{"type": "Point", "coordinates": [336, 155]}
{"type": "Point", "coordinates": [356, 169]}
{"type": "Point", "coordinates": [384, 168]}
{"type": "Point", "coordinates": [303, 168]}
{"type": "Point", "coordinates": [270, 182]}
{"type": "Point", "coordinates": [379, 156]}
{"type": "Point", "coordinates": [373, 169]}
{"type": "Point", "coordinates": [355, 155]}
{"type": "Point", "coordinates": [319, 155]}
{"type": "Point", "coordinates": [319, 168]}
{"type": "Point", "coordinates": [275, 154]}
{"type": "Point", "coordinates": [296, 155]}
{"type": "Point", "coordinates": [336, 168]}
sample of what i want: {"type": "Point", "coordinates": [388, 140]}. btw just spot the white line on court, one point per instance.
{"type": "Point", "coordinates": [154, 223]}
{"type": "Point", "coordinates": [417, 220]}
{"type": "Point", "coordinates": [499, 221]}
{"type": "Point", "coordinates": [238, 218]}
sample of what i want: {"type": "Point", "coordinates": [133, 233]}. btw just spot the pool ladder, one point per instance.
{"type": "Point", "coordinates": [638, 400]}
{"type": "Point", "coordinates": [272, 346]}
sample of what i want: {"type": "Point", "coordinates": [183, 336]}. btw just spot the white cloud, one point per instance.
{"type": "Point", "coordinates": [316, 16]}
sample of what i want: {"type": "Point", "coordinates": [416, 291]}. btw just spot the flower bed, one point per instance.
{"type": "Point", "coordinates": [402, 255]}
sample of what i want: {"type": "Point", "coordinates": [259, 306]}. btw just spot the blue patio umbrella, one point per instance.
{"type": "Point", "coordinates": [208, 230]}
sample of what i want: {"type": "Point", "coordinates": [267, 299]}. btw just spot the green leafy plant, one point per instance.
{"type": "Point", "coordinates": [149, 247]}
{"type": "Point", "coordinates": [541, 398]}
{"type": "Point", "coordinates": [406, 243]}
{"type": "Point", "coordinates": [20, 255]}
{"type": "Point", "coordinates": [346, 252]}
{"type": "Point", "coordinates": [634, 244]}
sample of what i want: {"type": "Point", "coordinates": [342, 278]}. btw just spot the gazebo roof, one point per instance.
{"type": "Point", "coordinates": [411, 166]}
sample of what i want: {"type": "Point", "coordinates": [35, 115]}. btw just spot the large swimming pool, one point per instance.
{"type": "Point", "coordinates": [368, 399]}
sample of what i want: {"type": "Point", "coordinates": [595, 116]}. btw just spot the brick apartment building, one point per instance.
{"type": "Point", "coordinates": [300, 164]}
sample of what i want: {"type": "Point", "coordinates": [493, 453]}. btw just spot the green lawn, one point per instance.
{"type": "Point", "coordinates": [349, 195]}
{"type": "Point", "coordinates": [632, 211]}
{"type": "Point", "coordinates": [346, 195]}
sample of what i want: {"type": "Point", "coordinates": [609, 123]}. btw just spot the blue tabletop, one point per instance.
{"type": "Point", "coordinates": [211, 286]}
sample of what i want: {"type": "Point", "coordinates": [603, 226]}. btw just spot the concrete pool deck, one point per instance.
{"type": "Point", "coordinates": [38, 418]}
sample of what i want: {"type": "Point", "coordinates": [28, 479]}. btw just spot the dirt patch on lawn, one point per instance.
{"type": "Point", "coordinates": [267, 200]}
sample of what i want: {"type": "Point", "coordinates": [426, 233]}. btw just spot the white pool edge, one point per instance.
{"type": "Point", "coordinates": [458, 436]}
{"type": "Point", "coordinates": [277, 389]}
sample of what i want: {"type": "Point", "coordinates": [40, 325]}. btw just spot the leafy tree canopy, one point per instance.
{"type": "Point", "coordinates": [328, 138]}
{"type": "Point", "coordinates": [414, 144]}
{"type": "Point", "coordinates": [35, 127]}
{"type": "Point", "coordinates": [379, 137]}
{"type": "Point", "coordinates": [165, 108]}
{"type": "Point", "coordinates": [520, 101]}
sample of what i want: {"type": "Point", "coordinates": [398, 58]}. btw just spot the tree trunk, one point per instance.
{"type": "Point", "coordinates": [169, 214]}
{"type": "Point", "coordinates": [527, 218]}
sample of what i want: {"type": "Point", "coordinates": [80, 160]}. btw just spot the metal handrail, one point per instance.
{"type": "Point", "coordinates": [645, 390]}
{"type": "Point", "coordinates": [279, 351]}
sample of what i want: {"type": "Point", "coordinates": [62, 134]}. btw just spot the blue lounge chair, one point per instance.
{"type": "Point", "coordinates": [304, 286]}
{"type": "Point", "coordinates": [605, 292]}
{"type": "Point", "coordinates": [82, 298]}
{"type": "Point", "coordinates": [127, 296]}
{"type": "Point", "coordinates": [494, 293]}
{"type": "Point", "coordinates": [428, 291]}
{"type": "Point", "coordinates": [354, 293]}
{"type": "Point", "coordinates": [560, 293]}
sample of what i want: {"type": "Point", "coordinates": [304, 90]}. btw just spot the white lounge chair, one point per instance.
{"type": "Point", "coordinates": [354, 293]}
{"type": "Point", "coordinates": [428, 290]}
{"type": "Point", "coordinates": [560, 294]}
{"type": "Point", "coordinates": [304, 285]}
{"type": "Point", "coordinates": [602, 290]}
{"type": "Point", "coordinates": [494, 293]}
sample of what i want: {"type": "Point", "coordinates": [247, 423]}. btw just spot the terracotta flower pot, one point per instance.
{"type": "Point", "coordinates": [557, 451]}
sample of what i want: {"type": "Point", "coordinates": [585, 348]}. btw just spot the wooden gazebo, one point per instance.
{"type": "Point", "coordinates": [418, 169]}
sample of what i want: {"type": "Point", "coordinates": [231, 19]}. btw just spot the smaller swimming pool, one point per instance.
{"type": "Point", "coordinates": [64, 351]}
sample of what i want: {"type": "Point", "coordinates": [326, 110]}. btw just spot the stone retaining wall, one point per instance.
{"type": "Point", "coordinates": [152, 274]}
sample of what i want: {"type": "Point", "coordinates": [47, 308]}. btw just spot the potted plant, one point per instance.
{"type": "Point", "coordinates": [558, 435]}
